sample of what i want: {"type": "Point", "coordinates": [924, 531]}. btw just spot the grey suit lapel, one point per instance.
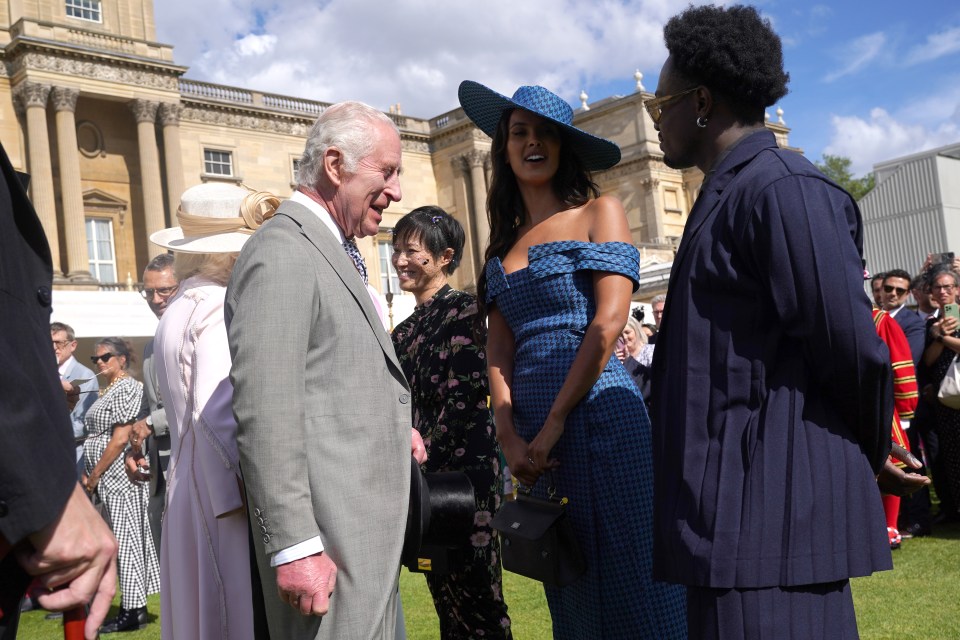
{"type": "Point", "coordinates": [321, 238]}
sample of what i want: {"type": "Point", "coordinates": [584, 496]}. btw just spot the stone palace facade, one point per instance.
{"type": "Point", "coordinates": [111, 131]}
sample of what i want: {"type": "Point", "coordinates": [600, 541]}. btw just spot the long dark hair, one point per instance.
{"type": "Point", "coordinates": [505, 211]}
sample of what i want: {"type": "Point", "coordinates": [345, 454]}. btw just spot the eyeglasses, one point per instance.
{"type": "Point", "coordinates": [943, 287]}
{"type": "Point", "coordinates": [105, 358]}
{"type": "Point", "coordinates": [890, 289]}
{"type": "Point", "coordinates": [654, 106]}
{"type": "Point", "coordinates": [163, 292]}
{"type": "Point", "coordinates": [60, 344]}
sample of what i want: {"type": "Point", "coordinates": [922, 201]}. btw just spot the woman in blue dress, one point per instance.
{"type": "Point", "coordinates": [556, 289]}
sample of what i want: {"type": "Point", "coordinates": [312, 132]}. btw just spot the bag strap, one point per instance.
{"type": "Point", "coordinates": [551, 490]}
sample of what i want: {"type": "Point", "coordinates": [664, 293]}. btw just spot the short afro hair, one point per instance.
{"type": "Point", "coordinates": [733, 52]}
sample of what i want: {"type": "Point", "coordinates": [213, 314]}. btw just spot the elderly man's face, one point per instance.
{"type": "Point", "coordinates": [365, 193]}
{"type": "Point", "coordinates": [62, 346]}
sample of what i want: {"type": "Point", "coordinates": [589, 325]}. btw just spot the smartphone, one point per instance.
{"type": "Point", "coordinates": [951, 310]}
{"type": "Point", "coordinates": [946, 258]}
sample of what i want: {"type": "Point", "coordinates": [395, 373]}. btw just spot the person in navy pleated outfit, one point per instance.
{"type": "Point", "coordinates": [559, 274]}
{"type": "Point", "coordinates": [772, 398]}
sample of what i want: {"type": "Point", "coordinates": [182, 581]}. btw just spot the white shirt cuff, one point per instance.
{"type": "Point", "coordinates": [297, 551]}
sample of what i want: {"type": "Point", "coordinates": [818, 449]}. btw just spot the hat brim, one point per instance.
{"type": "Point", "coordinates": [219, 243]}
{"type": "Point", "coordinates": [485, 107]}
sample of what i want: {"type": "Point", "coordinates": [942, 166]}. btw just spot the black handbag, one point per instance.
{"type": "Point", "coordinates": [537, 539]}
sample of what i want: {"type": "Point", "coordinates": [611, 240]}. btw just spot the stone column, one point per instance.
{"type": "Point", "coordinates": [173, 155]}
{"type": "Point", "coordinates": [145, 113]}
{"type": "Point", "coordinates": [71, 191]}
{"type": "Point", "coordinates": [34, 99]}
{"type": "Point", "coordinates": [468, 271]}
{"type": "Point", "coordinates": [476, 160]}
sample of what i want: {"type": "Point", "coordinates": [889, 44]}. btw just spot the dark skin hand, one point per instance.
{"type": "Point", "coordinates": [895, 481]}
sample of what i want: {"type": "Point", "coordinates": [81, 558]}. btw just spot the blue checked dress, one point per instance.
{"type": "Point", "coordinates": [604, 452]}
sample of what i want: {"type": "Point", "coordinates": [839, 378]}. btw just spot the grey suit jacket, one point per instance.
{"type": "Point", "coordinates": [324, 422]}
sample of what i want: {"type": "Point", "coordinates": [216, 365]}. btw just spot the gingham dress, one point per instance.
{"type": "Point", "coordinates": [605, 469]}
{"type": "Point", "coordinates": [125, 501]}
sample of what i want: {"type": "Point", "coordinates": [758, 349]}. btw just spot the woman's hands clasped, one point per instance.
{"type": "Point", "coordinates": [528, 461]}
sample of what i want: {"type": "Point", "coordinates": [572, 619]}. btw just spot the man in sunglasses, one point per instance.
{"type": "Point", "coordinates": [895, 291]}
{"type": "Point", "coordinates": [160, 285]}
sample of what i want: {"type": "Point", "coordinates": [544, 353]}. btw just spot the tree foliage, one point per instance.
{"type": "Point", "coordinates": [837, 168]}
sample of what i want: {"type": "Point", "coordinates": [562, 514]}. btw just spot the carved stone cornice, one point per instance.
{"type": "Point", "coordinates": [144, 110]}
{"type": "Point", "coordinates": [465, 132]}
{"type": "Point", "coordinates": [414, 144]}
{"type": "Point", "coordinates": [108, 70]}
{"type": "Point", "coordinates": [170, 114]}
{"type": "Point", "coordinates": [32, 94]}
{"type": "Point", "coordinates": [245, 120]}
{"type": "Point", "coordinates": [64, 98]}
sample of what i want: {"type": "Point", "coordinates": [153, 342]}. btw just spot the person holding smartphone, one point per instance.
{"type": "Point", "coordinates": [943, 345]}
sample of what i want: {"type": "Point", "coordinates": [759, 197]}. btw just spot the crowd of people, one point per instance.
{"type": "Point", "coordinates": [260, 476]}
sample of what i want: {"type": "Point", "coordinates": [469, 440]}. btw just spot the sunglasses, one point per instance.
{"type": "Point", "coordinates": [163, 292]}
{"type": "Point", "coordinates": [105, 358]}
{"type": "Point", "coordinates": [654, 106]}
{"type": "Point", "coordinates": [890, 289]}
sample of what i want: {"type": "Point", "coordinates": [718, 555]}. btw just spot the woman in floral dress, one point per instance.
{"type": "Point", "coordinates": [447, 371]}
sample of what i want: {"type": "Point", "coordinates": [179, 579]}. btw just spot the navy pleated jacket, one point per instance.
{"type": "Point", "coordinates": [772, 394]}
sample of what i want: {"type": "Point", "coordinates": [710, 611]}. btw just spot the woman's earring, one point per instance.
{"type": "Point", "coordinates": [702, 122]}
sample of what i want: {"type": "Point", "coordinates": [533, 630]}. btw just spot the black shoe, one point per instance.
{"type": "Point", "coordinates": [126, 620]}
{"type": "Point", "coordinates": [915, 530]}
{"type": "Point", "coordinates": [946, 517]}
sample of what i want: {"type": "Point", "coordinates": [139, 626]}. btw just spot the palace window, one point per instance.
{"type": "Point", "coordinates": [103, 261]}
{"type": "Point", "coordinates": [84, 9]}
{"type": "Point", "coordinates": [217, 163]}
{"type": "Point", "coordinates": [388, 275]}
{"type": "Point", "coordinates": [671, 201]}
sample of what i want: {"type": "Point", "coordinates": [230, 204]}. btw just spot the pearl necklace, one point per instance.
{"type": "Point", "coordinates": [105, 391]}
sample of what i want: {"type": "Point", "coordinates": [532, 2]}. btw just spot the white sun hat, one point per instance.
{"type": "Point", "coordinates": [216, 218]}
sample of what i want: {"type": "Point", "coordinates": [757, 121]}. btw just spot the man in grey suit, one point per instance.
{"type": "Point", "coordinates": [322, 404]}
{"type": "Point", "coordinates": [64, 344]}
{"type": "Point", "coordinates": [160, 284]}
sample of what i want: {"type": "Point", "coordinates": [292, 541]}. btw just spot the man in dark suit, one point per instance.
{"type": "Point", "coordinates": [895, 291]}
{"type": "Point", "coordinates": [772, 397]}
{"type": "Point", "coordinates": [48, 528]}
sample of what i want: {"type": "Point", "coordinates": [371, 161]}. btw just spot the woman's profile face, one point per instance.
{"type": "Point", "coordinates": [533, 147]}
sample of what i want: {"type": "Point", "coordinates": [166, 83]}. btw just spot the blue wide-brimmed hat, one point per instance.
{"type": "Point", "coordinates": [485, 107]}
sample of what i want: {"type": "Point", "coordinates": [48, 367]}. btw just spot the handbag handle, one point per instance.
{"type": "Point", "coordinates": [551, 490]}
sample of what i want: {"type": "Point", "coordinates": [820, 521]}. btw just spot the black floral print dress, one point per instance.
{"type": "Point", "coordinates": [447, 372]}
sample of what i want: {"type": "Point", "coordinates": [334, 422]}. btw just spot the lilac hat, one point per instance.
{"type": "Point", "coordinates": [485, 107]}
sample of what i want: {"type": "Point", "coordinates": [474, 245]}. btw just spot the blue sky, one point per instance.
{"type": "Point", "coordinates": [871, 81]}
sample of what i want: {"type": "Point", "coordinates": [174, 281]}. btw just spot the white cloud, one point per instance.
{"type": "Point", "coordinates": [858, 54]}
{"type": "Point", "coordinates": [881, 137]}
{"type": "Point", "coordinates": [937, 45]}
{"type": "Point", "coordinates": [414, 52]}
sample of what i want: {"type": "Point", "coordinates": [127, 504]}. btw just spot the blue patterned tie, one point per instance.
{"type": "Point", "coordinates": [350, 246]}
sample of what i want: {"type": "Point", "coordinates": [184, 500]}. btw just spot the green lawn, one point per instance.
{"type": "Point", "coordinates": [919, 599]}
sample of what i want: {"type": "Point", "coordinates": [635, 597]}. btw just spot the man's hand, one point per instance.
{"type": "Point", "coordinates": [77, 552]}
{"type": "Point", "coordinates": [307, 584]}
{"type": "Point", "coordinates": [73, 393]}
{"type": "Point", "coordinates": [894, 480]}
{"type": "Point", "coordinates": [132, 464]}
{"type": "Point", "coordinates": [417, 448]}
{"type": "Point", "coordinates": [140, 431]}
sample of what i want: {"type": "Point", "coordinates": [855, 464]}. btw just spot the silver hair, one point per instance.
{"type": "Point", "coordinates": [634, 324]}
{"type": "Point", "coordinates": [657, 299]}
{"type": "Point", "coordinates": [346, 126]}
